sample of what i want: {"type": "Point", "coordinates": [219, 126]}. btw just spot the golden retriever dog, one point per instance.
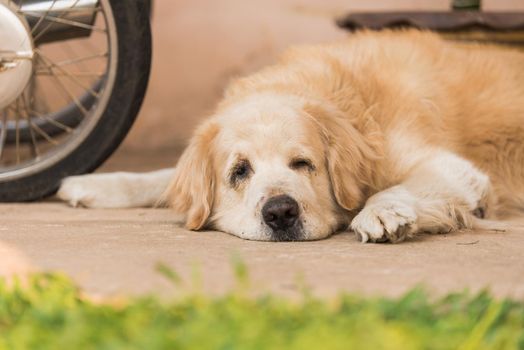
{"type": "Point", "coordinates": [387, 133]}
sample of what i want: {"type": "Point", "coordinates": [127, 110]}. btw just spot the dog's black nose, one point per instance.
{"type": "Point", "coordinates": [280, 212]}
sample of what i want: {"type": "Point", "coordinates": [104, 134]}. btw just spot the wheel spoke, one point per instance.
{"type": "Point", "coordinates": [3, 132]}
{"type": "Point", "coordinates": [27, 111]}
{"type": "Point", "coordinates": [17, 138]}
{"type": "Point", "coordinates": [71, 77]}
{"type": "Point", "coordinates": [73, 98]}
{"type": "Point", "coordinates": [41, 19]}
{"type": "Point", "coordinates": [70, 52]}
{"type": "Point", "coordinates": [61, 10]}
{"type": "Point", "coordinates": [34, 144]}
{"type": "Point", "coordinates": [49, 25]}
{"type": "Point", "coordinates": [60, 20]}
{"type": "Point", "coordinates": [76, 74]}
{"type": "Point", "coordinates": [42, 133]}
{"type": "Point", "coordinates": [80, 59]}
{"type": "Point", "coordinates": [51, 121]}
{"type": "Point", "coordinates": [63, 92]}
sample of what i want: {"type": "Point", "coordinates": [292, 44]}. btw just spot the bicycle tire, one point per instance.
{"type": "Point", "coordinates": [131, 79]}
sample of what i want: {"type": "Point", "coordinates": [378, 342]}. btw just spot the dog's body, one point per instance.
{"type": "Point", "coordinates": [393, 132]}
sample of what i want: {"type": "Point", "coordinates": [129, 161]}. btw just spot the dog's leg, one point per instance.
{"type": "Point", "coordinates": [115, 190]}
{"type": "Point", "coordinates": [440, 194]}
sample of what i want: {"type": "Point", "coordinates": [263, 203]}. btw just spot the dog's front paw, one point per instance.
{"type": "Point", "coordinates": [78, 191]}
{"type": "Point", "coordinates": [93, 191]}
{"type": "Point", "coordinates": [385, 222]}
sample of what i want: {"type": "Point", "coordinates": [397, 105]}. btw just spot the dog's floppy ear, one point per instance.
{"type": "Point", "coordinates": [191, 191]}
{"type": "Point", "coordinates": [349, 153]}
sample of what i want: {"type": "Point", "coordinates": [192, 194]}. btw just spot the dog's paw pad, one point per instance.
{"type": "Point", "coordinates": [385, 222]}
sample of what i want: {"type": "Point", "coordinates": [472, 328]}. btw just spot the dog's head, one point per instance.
{"type": "Point", "coordinates": [271, 168]}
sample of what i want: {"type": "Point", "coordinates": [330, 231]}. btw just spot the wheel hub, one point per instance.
{"type": "Point", "coordinates": [16, 54]}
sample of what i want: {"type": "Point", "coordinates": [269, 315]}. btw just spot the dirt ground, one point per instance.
{"type": "Point", "coordinates": [111, 252]}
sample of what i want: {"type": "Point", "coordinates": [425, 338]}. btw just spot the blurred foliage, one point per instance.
{"type": "Point", "coordinates": [47, 311]}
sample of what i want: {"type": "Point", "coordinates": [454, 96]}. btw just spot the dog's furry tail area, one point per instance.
{"type": "Point", "coordinates": [116, 190]}
{"type": "Point", "coordinates": [497, 226]}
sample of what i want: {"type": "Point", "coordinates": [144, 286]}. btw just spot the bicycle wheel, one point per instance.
{"type": "Point", "coordinates": [89, 67]}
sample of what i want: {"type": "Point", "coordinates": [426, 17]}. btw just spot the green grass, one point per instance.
{"type": "Point", "coordinates": [49, 312]}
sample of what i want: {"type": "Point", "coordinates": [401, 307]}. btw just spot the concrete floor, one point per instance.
{"type": "Point", "coordinates": [115, 251]}
{"type": "Point", "coordinates": [111, 252]}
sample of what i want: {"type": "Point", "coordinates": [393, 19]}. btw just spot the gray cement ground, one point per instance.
{"type": "Point", "coordinates": [112, 252]}
{"type": "Point", "coordinates": [115, 251]}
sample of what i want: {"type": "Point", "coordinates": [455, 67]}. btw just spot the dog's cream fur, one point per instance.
{"type": "Point", "coordinates": [394, 133]}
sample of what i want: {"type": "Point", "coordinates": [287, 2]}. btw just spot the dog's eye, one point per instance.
{"type": "Point", "coordinates": [301, 163]}
{"type": "Point", "coordinates": [240, 171]}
